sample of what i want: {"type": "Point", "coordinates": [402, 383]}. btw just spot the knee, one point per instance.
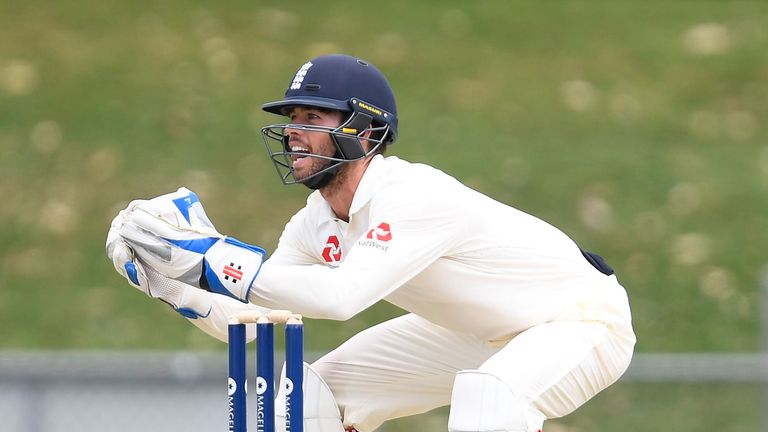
{"type": "Point", "coordinates": [482, 402]}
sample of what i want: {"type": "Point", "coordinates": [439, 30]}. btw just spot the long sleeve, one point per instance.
{"type": "Point", "coordinates": [421, 240]}
{"type": "Point", "coordinates": [399, 239]}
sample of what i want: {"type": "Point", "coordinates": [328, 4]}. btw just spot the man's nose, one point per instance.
{"type": "Point", "coordinates": [292, 134]}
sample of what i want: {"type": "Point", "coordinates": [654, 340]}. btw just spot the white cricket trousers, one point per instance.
{"type": "Point", "coordinates": [407, 366]}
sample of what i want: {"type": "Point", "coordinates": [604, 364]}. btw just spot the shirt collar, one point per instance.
{"type": "Point", "coordinates": [365, 189]}
{"type": "Point", "coordinates": [368, 184]}
{"type": "Point", "coordinates": [325, 212]}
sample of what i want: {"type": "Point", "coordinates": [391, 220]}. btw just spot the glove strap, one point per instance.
{"type": "Point", "coordinates": [195, 303]}
{"type": "Point", "coordinates": [230, 267]}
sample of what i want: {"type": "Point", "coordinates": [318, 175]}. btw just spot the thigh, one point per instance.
{"type": "Point", "coordinates": [400, 367]}
{"type": "Point", "coordinates": [558, 366]}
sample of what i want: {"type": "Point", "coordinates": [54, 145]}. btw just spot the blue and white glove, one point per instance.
{"type": "Point", "coordinates": [187, 300]}
{"type": "Point", "coordinates": [173, 235]}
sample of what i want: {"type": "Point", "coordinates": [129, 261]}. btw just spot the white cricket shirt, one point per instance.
{"type": "Point", "coordinates": [423, 241]}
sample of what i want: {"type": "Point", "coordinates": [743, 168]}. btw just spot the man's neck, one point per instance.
{"type": "Point", "coordinates": [341, 190]}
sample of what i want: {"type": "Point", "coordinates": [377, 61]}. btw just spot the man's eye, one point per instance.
{"type": "Point", "coordinates": [304, 118]}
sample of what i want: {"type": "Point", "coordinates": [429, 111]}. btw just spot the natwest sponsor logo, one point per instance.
{"type": "Point", "coordinates": [332, 250]}
{"type": "Point", "coordinates": [377, 237]}
{"type": "Point", "coordinates": [381, 233]}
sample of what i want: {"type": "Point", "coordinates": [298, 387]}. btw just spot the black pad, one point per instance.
{"type": "Point", "coordinates": [598, 262]}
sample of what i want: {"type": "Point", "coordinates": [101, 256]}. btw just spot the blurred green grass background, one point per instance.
{"type": "Point", "coordinates": [639, 128]}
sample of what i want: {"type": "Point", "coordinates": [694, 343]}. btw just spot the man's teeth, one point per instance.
{"type": "Point", "coordinates": [299, 149]}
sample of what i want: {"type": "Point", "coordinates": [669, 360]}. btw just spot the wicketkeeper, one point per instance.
{"type": "Point", "coordinates": [509, 321]}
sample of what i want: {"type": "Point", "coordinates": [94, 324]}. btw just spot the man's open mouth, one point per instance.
{"type": "Point", "coordinates": [298, 152]}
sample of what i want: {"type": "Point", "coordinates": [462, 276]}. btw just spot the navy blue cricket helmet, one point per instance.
{"type": "Point", "coordinates": [338, 82]}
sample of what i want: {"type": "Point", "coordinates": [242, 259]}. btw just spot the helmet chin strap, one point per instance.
{"type": "Point", "coordinates": [320, 180]}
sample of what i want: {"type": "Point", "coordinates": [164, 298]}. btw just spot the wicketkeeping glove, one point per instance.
{"type": "Point", "coordinates": [173, 235]}
{"type": "Point", "coordinates": [188, 301]}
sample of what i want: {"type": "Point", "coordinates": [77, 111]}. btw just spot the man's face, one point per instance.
{"type": "Point", "coordinates": [319, 143]}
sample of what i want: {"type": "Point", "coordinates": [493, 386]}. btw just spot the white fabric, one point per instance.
{"type": "Point", "coordinates": [489, 288]}
{"type": "Point", "coordinates": [407, 366]}
{"type": "Point", "coordinates": [481, 402]}
{"type": "Point", "coordinates": [321, 414]}
{"type": "Point", "coordinates": [452, 255]}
